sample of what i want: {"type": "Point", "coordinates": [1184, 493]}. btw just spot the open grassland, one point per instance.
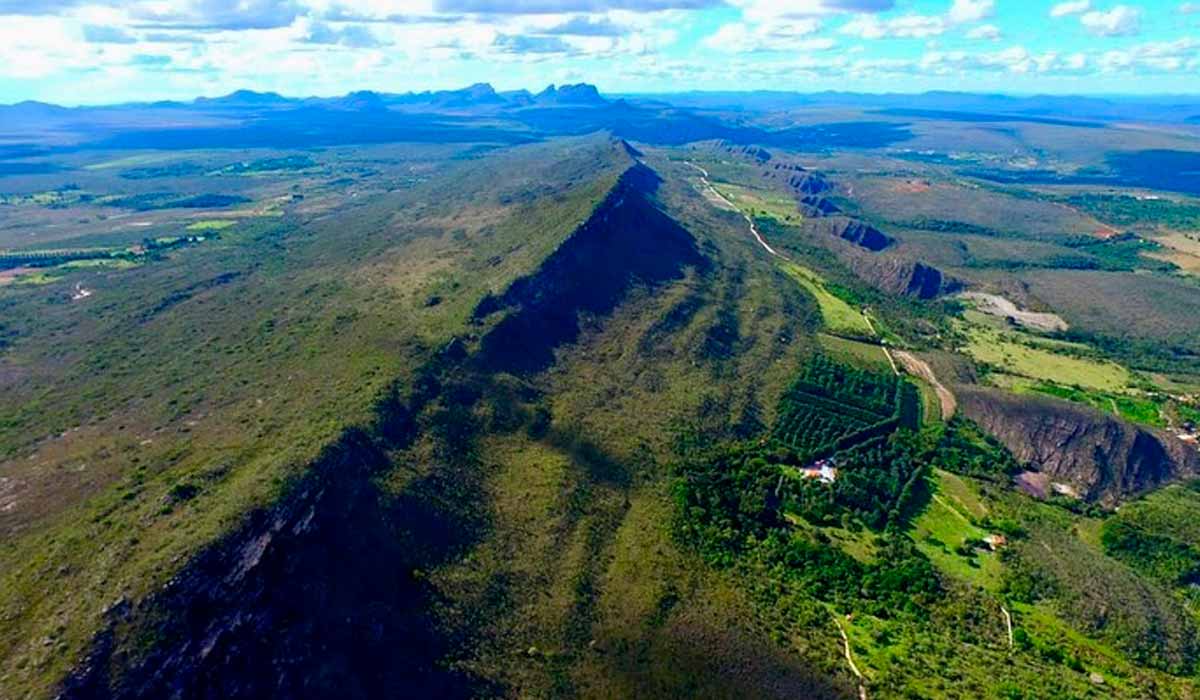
{"type": "Point", "coordinates": [1013, 353]}
{"type": "Point", "coordinates": [952, 207]}
{"type": "Point", "coordinates": [1180, 249]}
{"type": "Point", "coordinates": [211, 225]}
{"type": "Point", "coordinates": [947, 533]}
{"type": "Point", "coordinates": [1142, 409]}
{"type": "Point", "coordinates": [854, 352]}
{"type": "Point", "coordinates": [760, 202]}
{"type": "Point", "coordinates": [840, 316]}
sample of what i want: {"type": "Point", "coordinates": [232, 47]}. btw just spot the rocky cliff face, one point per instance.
{"type": "Point", "coordinates": [852, 231]}
{"type": "Point", "coordinates": [800, 180]}
{"type": "Point", "coordinates": [1097, 456]}
{"type": "Point", "coordinates": [813, 205]}
{"type": "Point", "coordinates": [897, 274]}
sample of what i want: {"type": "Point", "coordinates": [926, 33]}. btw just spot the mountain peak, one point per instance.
{"type": "Point", "coordinates": [245, 97]}
{"type": "Point", "coordinates": [579, 93]}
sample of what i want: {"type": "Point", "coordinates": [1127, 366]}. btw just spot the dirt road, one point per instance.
{"type": "Point", "coordinates": [749, 220]}
{"type": "Point", "coordinates": [920, 368]}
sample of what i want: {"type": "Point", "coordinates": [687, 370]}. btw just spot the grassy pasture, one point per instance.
{"type": "Point", "coordinates": [211, 225]}
{"type": "Point", "coordinates": [760, 203]}
{"type": "Point", "coordinates": [1012, 353]}
{"type": "Point", "coordinates": [1134, 408]}
{"type": "Point", "coordinates": [866, 355]}
{"type": "Point", "coordinates": [839, 316]}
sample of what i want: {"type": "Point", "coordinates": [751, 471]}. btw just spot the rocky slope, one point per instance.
{"type": "Point", "coordinates": [1098, 457]}
{"type": "Point", "coordinates": [627, 241]}
{"type": "Point", "coordinates": [853, 231]}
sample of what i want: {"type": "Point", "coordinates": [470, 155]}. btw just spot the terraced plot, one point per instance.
{"type": "Point", "coordinates": [832, 406]}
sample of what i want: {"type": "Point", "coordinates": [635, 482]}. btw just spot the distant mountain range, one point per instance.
{"type": "Point", "coordinates": [1179, 109]}
{"type": "Point", "coordinates": [245, 118]}
{"type": "Point", "coordinates": [471, 97]}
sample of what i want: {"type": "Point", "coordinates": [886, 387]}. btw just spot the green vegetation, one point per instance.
{"type": "Point", "coordinates": [150, 201]}
{"type": "Point", "coordinates": [711, 471]}
{"type": "Point", "coordinates": [832, 406]}
{"type": "Point", "coordinates": [1145, 410]}
{"type": "Point", "coordinates": [840, 317]}
{"type": "Point", "coordinates": [1158, 535]}
{"type": "Point", "coordinates": [759, 203]}
{"type": "Point", "coordinates": [1138, 212]}
{"type": "Point", "coordinates": [860, 354]}
{"type": "Point", "coordinates": [211, 225]}
{"type": "Point", "coordinates": [1017, 353]}
{"type": "Point", "coordinates": [732, 504]}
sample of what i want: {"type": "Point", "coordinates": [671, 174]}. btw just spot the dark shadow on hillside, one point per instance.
{"type": "Point", "coordinates": [626, 242]}
{"type": "Point", "coordinates": [318, 596]}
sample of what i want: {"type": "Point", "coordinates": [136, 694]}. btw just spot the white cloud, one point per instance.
{"type": "Point", "coordinates": [1121, 20]}
{"type": "Point", "coordinates": [985, 32]}
{"type": "Point", "coordinates": [767, 10]}
{"type": "Point", "coordinates": [740, 37]}
{"type": "Point", "coordinates": [1072, 7]}
{"type": "Point", "coordinates": [1154, 57]}
{"type": "Point", "coordinates": [965, 11]}
{"type": "Point", "coordinates": [903, 27]}
{"type": "Point", "coordinates": [1189, 8]}
{"type": "Point", "coordinates": [914, 26]}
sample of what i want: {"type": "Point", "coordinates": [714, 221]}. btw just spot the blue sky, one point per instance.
{"type": "Point", "coordinates": [99, 51]}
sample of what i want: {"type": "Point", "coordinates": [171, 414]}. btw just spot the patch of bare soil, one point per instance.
{"type": "Point", "coordinates": [995, 305]}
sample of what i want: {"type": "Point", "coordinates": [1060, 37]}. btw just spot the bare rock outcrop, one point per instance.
{"type": "Point", "coordinates": [1096, 456]}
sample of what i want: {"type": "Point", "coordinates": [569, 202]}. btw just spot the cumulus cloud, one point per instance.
{"type": "Point", "coordinates": [536, 7]}
{"type": "Point", "coordinates": [352, 36]}
{"type": "Point", "coordinates": [766, 10]}
{"type": "Point", "coordinates": [1121, 20]}
{"type": "Point", "coordinates": [520, 44]}
{"type": "Point", "coordinates": [1153, 57]}
{"type": "Point", "coordinates": [220, 14]}
{"type": "Point", "coordinates": [985, 32]}
{"type": "Point", "coordinates": [1072, 7]}
{"type": "Point", "coordinates": [582, 25]}
{"type": "Point", "coordinates": [741, 38]}
{"type": "Point", "coordinates": [965, 11]}
{"type": "Point", "coordinates": [903, 27]}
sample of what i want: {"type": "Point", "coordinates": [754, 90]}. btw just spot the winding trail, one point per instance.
{"type": "Point", "coordinates": [749, 220]}
{"type": "Point", "coordinates": [912, 364]}
{"type": "Point", "coordinates": [862, 680]}
{"type": "Point", "coordinates": [882, 343]}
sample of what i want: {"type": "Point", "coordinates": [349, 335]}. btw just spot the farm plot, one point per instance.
{"type": "Point", "coordinates": [832, 407]}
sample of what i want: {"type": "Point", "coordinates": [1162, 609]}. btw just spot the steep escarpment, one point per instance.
{"type": "Point", "coordinates": [320, 594]}
{"type": "Point", "coordinates": [853, 231]}
{"type": "Point", "coordinates": [814, 205]}
{"type": "Point", "coordinates": [627, 241]}
{"type": "Point", "coordinates": [797, 178]}
{"type": "Point", "coordinates": [1096, 456]}
{"type": "Point", "coordinates": [869, 252]}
